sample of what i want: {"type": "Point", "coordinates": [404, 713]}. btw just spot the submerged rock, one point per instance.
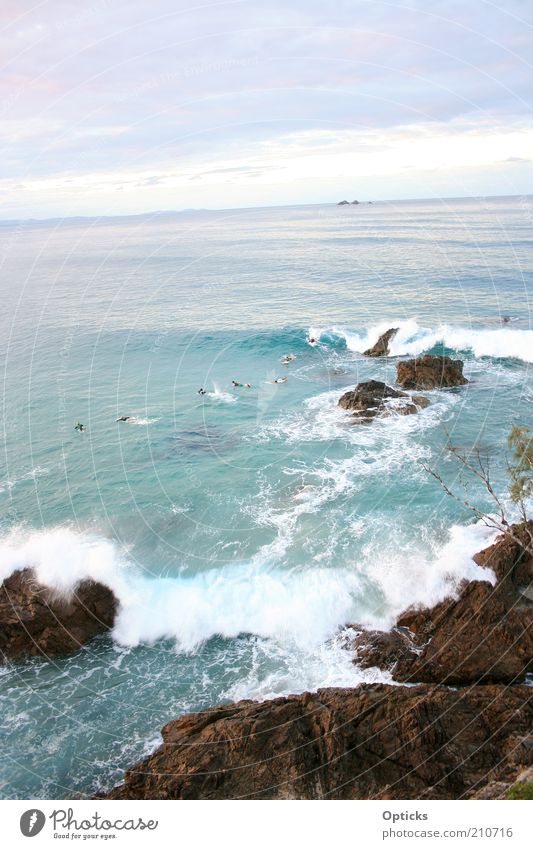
{"type": "Point", "coordinates": [371, 742]}
{"type": "Point", "coordinates": [36, 620]}
{"type": "Point", "coordinates": [381, 348]}
{"type": "Point", "coordinates": [374, 398]}
{"type": "Point", "coordinates": [430, 372]}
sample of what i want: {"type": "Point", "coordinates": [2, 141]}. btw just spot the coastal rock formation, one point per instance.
{"type": "Point", "coordinates": [381, 348]}
{"type": "Point", "coordinates": [374, 398]}
{"type": "Point", "coordinates": [384, 649]}
{"type": "Point", "coordinates": [483, 635]}
{"type": "Point", "coordinates": [371, 742]}
{"type": "Point", "coordinates": [343, 203]}
{"type": "Point", "coordinates": [34, 620]}
{"type": "Point", "coordinates": [377, 741]}
{"type": "Point", "coordinates": [430, 372]}
{"type": "Point", "coordinates": [511, 556]}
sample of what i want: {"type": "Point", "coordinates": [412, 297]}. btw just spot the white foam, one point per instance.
{"type": "Point", "coordinates": [283, 515]}
{"type": "Point", "coordinates": [62, 558]}
{"type": "Point", "coordinates": [302, 608]}
{"type": "Point", "coordinates": [321, 419]}
{"type": "Point", "coordinates": [219, 395]}
{"type": "Point", "coordinates": [406, 578]}
{"type": "Point", "coordinates": [137, 420]}
{"type": "Point", "coordinates": [298, 671]}
{"type": "Point", "coordinates": [8, 484]}
{"type": "Point", "coordinates": [412, 339]}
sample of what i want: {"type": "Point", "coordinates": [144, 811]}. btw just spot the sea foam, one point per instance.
{"type": "Point", "coordinates": [413, 339]}
{"type": "Point", "coordinates": [297, 607]}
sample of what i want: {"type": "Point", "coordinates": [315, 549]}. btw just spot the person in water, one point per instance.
{"type": "Point", "coordinates": [311, 340]}
{"type": "Point", "coordinates": [123, 419]}
{"type": "Point", "coordinates": [202, 391]}
{"type": "Point", "coordinates": [279, 379]}
{"type": "Point", "coordinates": [80, 427]}
{"type": "Point", "coordinates": [241, 385]}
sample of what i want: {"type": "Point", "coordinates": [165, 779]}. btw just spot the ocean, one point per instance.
{"type": "Point", "coordinates": [244, 529]}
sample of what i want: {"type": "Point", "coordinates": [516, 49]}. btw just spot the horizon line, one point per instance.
{"type": "Point", "coordinates": [155, 212]}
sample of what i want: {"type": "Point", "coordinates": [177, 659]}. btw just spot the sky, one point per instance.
{"type": "Point", "coordinates": [126, 106]}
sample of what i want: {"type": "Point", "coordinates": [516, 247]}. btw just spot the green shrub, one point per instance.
{"type": "Point", "coordinates": [520, 790]}
{"type": "Point", "coordinates": [520, 469]}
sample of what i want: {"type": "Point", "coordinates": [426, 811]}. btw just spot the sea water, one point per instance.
{"type": "Point", "coordinates": [244, 529]}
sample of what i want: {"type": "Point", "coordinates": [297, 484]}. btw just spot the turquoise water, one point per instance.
{"type": "Point", "coordinates": [243, 529]}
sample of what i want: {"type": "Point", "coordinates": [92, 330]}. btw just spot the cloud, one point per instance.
{"type": "Point", "coordinates": [149, 96]}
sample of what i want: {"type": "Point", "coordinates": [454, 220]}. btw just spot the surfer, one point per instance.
{"type": "Point", "coordinates": [202, 392]}
{"type": "Point", "coordinates": [241, 385]}
{"type": "Point", "coordinates": [123, 419]}
{"type": "Point", "coordinates": [288, 358]}
{"type": "Point", "coordinates": [279, 379]}
{"type": "Point", "coordinates": [79, 427]}
{"type": "Point", "coordinates": [311, 340]}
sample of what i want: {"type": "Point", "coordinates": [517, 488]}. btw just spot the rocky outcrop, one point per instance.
{"type": "Point", "coordinates": [384, 649]}
{"type": "Point", "coordinates": [372, 742]}
{"type": "Point", "coordinates": [377, 741]}
{"type": "Point", "coordinates": [343, 203]}
{"type": "Point", "coordinates": [485, 634]}
{"type": "Point", "coordinates": [373, 398]}
{"type": "Point", "coordinates": [381, 348]}
{"type": "Point", "coordinates": [36, 621]}
{"type": "Point", "coordinates": [511, 557]}
{"type": "Point", "coordinates": [430, 372]}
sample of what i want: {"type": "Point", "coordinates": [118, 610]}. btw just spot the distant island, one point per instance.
{"type": "Point", "coordinates": [352, 203]}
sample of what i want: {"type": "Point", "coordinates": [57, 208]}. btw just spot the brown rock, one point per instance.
{"type": "Point", "coordinates": [430, 372]}
{"type": "Point", "coordinates": [500, 789]}
{"type": "Point", "coordinates": [486, 633]}
{"type": "Point", "coordinates": [372, 742]}
{"type": "Point", "coordinates": [381, 348]}
{"type": "Point", "coordinates": [34, 620]}
{"type": "Point", "coordinates": [373, 398]}
{"type": "Point", "coordinates": [383, 648]}
{"type": "Point", "coordinates": [511, 556]}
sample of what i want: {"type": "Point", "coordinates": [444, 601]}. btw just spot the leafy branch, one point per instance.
{"type": "Point", "coordinates": [519, 472]}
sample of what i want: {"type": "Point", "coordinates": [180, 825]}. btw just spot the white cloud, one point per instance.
{"type": "Point", "coordinates": [134, 105]}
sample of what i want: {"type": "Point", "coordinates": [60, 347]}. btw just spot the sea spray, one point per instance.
{"type": "Point", "coordinates": [413, 339]}
{"type": "Point", "coordinates": [299, 607]}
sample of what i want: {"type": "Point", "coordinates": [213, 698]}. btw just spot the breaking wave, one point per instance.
{"type": "Point", "coordinates": [412, 339]}
{"type": "Point", "coordinates": [296, 607]}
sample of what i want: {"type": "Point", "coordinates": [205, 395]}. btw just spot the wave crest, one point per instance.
{"type": "Point", "coordinates": [297, 607]}
{"type": "Point", "coordinates": [413, 339]}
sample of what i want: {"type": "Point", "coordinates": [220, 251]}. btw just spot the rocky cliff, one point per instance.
{"type": "Point", "coordinates": [428, 741]}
